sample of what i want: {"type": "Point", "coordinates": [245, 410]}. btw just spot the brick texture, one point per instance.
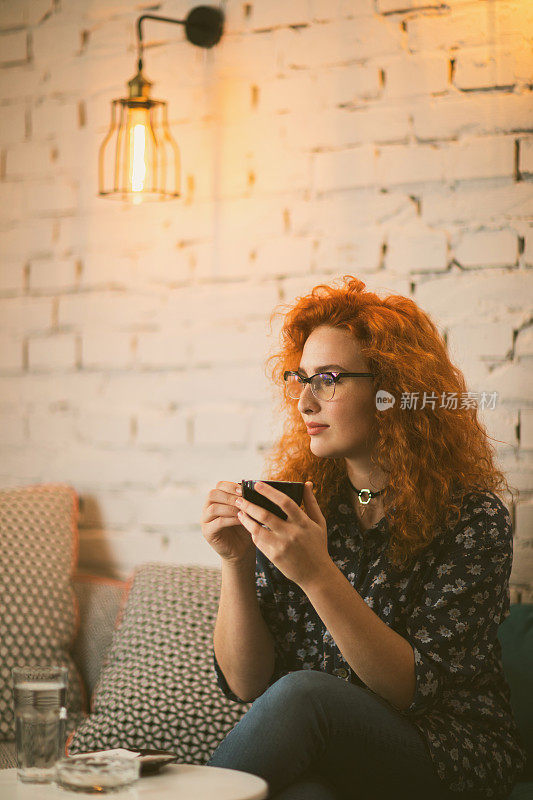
{"type": "Point", "coordinates": [389, 139]}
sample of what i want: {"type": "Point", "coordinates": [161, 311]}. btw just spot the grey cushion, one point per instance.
{"type": "Point", "coordinates": [158, 687]}
{"type": "Point", "coordinates": [99, 600]}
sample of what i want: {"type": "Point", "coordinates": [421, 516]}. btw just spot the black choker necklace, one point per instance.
{"type": "Point", "coordinates": [369, 495]}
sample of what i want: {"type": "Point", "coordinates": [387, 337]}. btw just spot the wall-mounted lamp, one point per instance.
{"type": "Point", "coordinates": [139, 160]}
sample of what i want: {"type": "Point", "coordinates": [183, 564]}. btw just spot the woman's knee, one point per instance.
{"type": "Point", "coordinates": [301, 683]}
{"type": "Point", "coordinates": [298, 695]}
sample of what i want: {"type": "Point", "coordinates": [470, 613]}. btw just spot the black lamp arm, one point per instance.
{"type": "Point", "coordinates": [140, 31]}
{"type": "Point", "coordinates": [203, 27]}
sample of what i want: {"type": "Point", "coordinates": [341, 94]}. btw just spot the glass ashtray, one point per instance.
{"type": "Point", "coordinates": [96, 774]}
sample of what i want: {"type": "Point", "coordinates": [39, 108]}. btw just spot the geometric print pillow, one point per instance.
{"type": "Point", "coordinates": [38, 608]}
{"type": "Point", "coordinates": [158, 686]}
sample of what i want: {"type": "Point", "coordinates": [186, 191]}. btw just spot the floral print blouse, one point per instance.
{"type": "Point", "coordinates": [449, 607]}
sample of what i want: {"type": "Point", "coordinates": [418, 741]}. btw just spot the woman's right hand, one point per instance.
{"type": "Point", "coordinates": [220, 526]}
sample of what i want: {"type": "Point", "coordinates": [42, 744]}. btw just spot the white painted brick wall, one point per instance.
{"type": "Point", "coordinates": [111, 349]}
{"type": "Point", "coordinates": [26, 314]}
{"type": "Point", "coordinates": [351, 126]}
{"type": "Point", "coordinates": [345, 169]}
{"type": "Point", "coordinates": [11, 353]}
{"type": "Point", "coordinates": [411, 250]}
{"type": "Point", "coordinates": [513, 382]}
{"type": "Point", "coordinates": [481, 340]}
{"type": "Point", "coordinates": [526, 155]}
{"type": "Point", "coordinates": [486, 66]}
{"type": "Point", "coordinates": [217, 425]}
{"type": "Point", "coordinates": [524, 520]}
{"type": "Point", "coordinates": [163, 349]}
{"type": "Point", "coordinates": [524, 342]}
{"type": "Point", "coordinates": [389, 139]}
{"type": "Point", "coordinates": [11, 15]}
{"type": "Point", "coordinates": [13, 47]}
{"type": "Point", "coordinates": [164, 429]}
{"type": "Point", "coordinates": [87, 465]}
{"type": "Point", "coordinates": [13, 430]}
{"type": "Point", "coordinates": [51, 429]}
{"type": "Point", "coordinates": [481, 158]}
{"type": "Point", "coordinates": [170, 508]}
{"type": "Point", "coordinates": [107, 309]}
{"type": "Point", "coordinates": [501, 425]}
{"type": "Point", "coordinates": [110, 509]}
{"type": "Point", "coordinates": [105, 428]}
{"type": "Point", "coordinates": [12, 124]}
{"type": "Point", "coordinates": [52, 352]}
{"type": "Point", "coordinates": [334, 86]}
{"type": "Point", "coordinates": [33, 238]}
{"type": "Point", "coordinates": [479, 202]}
{"type": "Point", "coordinates": [339, 254]}
{"type": "Point", "coordinates": [28, 160]}
{"type": "Point", "coordinates": [487, 249]}
{"type": "Point", "coordinates": [12, 277]}
{"type": "Point", "coordinates": [467, 25]}
{"type": "Point", "coordinates": [392, 6]}
{"type": "Point", "coordinates": [407, 75]}
{"type": "Point", "coordinates": [458, 295]}
{"type": "Point", "coordinates": [526, 428]}
{"type": "Point", "coordinates": [52, 276]}
{"type": "Point", "coordinates": [457, 115]}
{"type": "Point", "coordinates": [278, 13]}
{"type": "Point", "coordinates": [240, 343]}
{"type": "Point", "coordinates": [522, 566]}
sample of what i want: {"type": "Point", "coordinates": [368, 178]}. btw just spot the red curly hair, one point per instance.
{"type": "Point", "coordinates": [433, 456]}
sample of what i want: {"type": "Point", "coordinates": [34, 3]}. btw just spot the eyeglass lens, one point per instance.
{"type": "Point", "coordinates": [322, 386]}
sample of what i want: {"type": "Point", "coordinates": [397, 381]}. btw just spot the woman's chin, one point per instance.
{"type": "Point", "coordinates": [323, 449]}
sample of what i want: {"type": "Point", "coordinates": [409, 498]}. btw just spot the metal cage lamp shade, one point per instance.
{"type": "Point", "coordinates": [138, 159]}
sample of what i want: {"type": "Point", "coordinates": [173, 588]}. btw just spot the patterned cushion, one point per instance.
{"type": "Point", "coordinates": [158, 687]}
{"type": "Point", "coordinates": [38, 611]}
{"type": "Point", "coordinates": [99, 600]}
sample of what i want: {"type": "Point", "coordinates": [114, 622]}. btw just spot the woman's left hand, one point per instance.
{"type": "Point", "coordinates": [297, 546]}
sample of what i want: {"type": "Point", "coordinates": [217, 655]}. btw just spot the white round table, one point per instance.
{"type": "Point", "coordinates": [173, 782]}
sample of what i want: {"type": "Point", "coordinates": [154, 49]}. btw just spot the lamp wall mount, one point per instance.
{"type": "Point", "coordinates": [203, 27]}
{"type": "Point", "coordinates": [138, 159]}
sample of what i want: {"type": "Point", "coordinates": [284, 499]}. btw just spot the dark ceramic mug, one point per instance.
{"type": "Point", "coordinates": [293, 489]}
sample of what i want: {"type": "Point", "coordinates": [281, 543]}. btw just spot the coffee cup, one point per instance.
{"type": "Point", "coordinates": [293, 489]}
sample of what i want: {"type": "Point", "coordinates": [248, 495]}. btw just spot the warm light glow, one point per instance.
{"type": "Point", "coordinates": [138, 166]}
{"type": "Point", "coordinates": [138, 159]}
{"type": "Point", "coordinates": [139, 152]}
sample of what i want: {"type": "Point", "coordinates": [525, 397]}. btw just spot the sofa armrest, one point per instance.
{"type": "Point", "coordinates": [99, 601]}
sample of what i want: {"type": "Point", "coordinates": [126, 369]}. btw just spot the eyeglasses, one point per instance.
{"type": "Point", "coordinates": [322, 384]}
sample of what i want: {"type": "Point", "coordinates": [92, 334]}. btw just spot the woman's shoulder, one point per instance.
{"type": "Point", "coordinates": [481, 503]}
{"type": "Point", "coordinates": [484, 520]}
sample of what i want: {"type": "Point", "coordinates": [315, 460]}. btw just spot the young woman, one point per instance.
{"type": "Point", "coordinates": [364, 626]}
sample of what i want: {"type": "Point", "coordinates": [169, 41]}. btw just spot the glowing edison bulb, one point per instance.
{"type": "Point", "coordinates": [138, 166]}
{"type": "Point", "coordinates": [138, 159]}
{"type": "Point", "coordinates": [139, 153]}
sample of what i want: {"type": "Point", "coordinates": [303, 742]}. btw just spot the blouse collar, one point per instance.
{"type": "Point", "coordinates": [347, 516]}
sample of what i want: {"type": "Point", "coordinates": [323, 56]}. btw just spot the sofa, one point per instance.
{"type": "Point", "coordinates": [99, 601]}
{"type": "Point", "coordinates": [140, 644]}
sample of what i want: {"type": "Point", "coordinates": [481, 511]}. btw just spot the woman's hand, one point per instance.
{"type": "Point", "coordinates": [220, 526]}
{"type": "Point", "coordinates": [297, 546]}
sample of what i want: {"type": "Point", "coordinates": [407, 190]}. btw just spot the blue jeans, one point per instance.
{"type": "Point", "coordinates": [313, 736]}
